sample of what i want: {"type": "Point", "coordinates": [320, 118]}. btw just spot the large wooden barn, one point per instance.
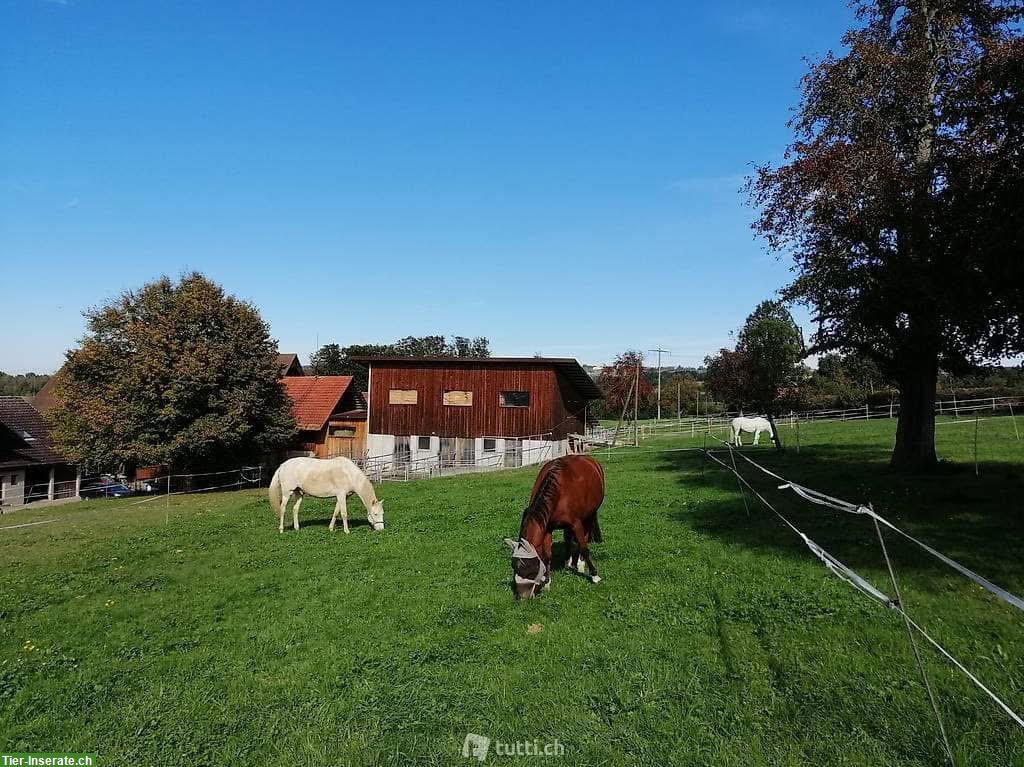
{"type": "Point", "coordinates": [330, 412]}
{"type": "Point", "coordinates": [507, 411]}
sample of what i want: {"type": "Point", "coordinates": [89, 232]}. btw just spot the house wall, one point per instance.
{"type": "Point", "coordinates": [12, 487]}
{"type": "Point", "coordinates": [321, 444]}
{"type": "Point", "coordinates": [554, 407]}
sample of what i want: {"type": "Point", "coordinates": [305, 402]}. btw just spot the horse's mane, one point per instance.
{"type": "Point", "coordinates": [542, 501]}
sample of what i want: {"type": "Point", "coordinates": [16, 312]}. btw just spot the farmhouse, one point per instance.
{"type": "Point", "coordinates": [30, 467]}
{"type": "Point", "coordinates": [499, 411]}
{"type": "Point", "coordinates": [331, 415]}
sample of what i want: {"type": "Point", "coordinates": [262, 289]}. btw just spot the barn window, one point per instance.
{"type": "Point", "coordinates": [514, 399]}
{"type": "Point", "coordinates": [403, 397]}
{"type": "Point", "coordinates": [343, 431]}
{"type": "Point", "coordinates": [490, 445]}
{"type": "Point", "coordinates": [424, 443]}
{"type": "Point", "coordinates": [458, 398]}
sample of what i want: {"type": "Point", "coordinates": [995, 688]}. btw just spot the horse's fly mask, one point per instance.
{"type": "Point", "coordinates": [529, 568]}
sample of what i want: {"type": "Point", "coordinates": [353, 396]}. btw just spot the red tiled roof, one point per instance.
{"type": "Point", "coordinates": [44, 400]}
{"type": "Point", "coordinates": [314, 398]}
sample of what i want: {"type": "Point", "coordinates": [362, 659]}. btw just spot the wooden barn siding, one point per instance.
{"type": "Point", "coordinates": [551, 401]}
{"type": "Point", "coordinates": [322, 445]}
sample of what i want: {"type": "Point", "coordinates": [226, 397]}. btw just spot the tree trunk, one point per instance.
{"type": "Point", "coordinates": [915, 430]}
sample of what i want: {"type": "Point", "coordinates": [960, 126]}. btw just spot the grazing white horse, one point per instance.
{"type": "Point", "coordinates": [323, 478]}
{"type": "Point", "coordinates": [750, 425]}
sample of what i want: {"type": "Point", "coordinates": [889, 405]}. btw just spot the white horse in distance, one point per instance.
{"type": "Point", "coordinates": [752, 426]}
{"type": "Point", "coordinates": [323, 478]}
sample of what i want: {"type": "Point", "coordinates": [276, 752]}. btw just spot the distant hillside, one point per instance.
{"type": "Point", "coordinates": [21, 385]}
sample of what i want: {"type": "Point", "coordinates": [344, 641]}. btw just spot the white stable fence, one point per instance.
{"type": "Point", "coordinates": [718, 423]}
{"type": "Point", "coordinates": [515, 453]}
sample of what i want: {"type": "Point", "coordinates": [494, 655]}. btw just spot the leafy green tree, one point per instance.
{"type": "Point", "coordinates": [774, 348]}
{"type": "Point", "coordinates": [900, 197]}
{"type": "Point", "coordinates": [22, 384]}
{"type": "Point", "coordinates": [764, 370]}
{"type": "Point", "coordinates": [332, 359]}
{"type": "Point", "coordinates": [328, 360]}
{"type": "Point", "coordinates": [179, 374]}
{"type": "Point", "coordinates": [679, 394]}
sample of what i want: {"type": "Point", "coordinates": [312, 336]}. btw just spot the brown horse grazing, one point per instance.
{"type": "Point", "coordinates": [566, 495]}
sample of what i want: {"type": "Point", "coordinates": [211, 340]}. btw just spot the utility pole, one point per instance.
{"type": "Point", "coordinates": [636, 407]}
{"type": "Point", "coordinates": [660, 351]}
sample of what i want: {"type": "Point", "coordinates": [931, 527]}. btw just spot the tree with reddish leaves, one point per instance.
{"type": "Point", "coordinates": [617, 380]}
{"type": "Point", "coordinates": [726, 377]}
{"type": "Point", "coordinates": [900, 197]}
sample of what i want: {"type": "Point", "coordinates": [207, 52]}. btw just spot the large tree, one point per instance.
{"type": "Point", "coordinates": [618, 381]}
{"type": "Point", "coordinates": [900, 196]}
{"type": "Point", "coordinates": [764, 370]}
{"type": "Point", "coordinates": [773, 346]}
{"type": "Point", "coordinates": [176, 373]}
{"type": "Point", "coordinates": [679, 394]}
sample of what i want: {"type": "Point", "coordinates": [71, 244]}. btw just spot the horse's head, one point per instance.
{"type": "Point", "coordinates": [375, 514]}
{"type": "Point", "coordinates": [529, 573]}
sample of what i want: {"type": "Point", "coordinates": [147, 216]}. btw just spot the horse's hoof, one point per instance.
{"type": "Point", "coordinates": [595, 578]}
{"type": "Point", "coordinates": [581, 567]}
{"type": "Point", "coordinates": [547, 585]}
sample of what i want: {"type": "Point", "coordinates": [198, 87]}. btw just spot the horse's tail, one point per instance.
{"type": "Point", "coordinates": [274, 491]}
{"type": "Point", "coordinates": [595, 530]}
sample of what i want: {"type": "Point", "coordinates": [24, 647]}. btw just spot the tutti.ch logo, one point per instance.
{"type": "Point", "coordinates": [476, 746]}
{"type": "Point", "coordinates": [479, 747]}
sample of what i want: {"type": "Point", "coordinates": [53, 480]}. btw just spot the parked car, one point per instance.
{"type": "Point", "coordinates": [104, 486]}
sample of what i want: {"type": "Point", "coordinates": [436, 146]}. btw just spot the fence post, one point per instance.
{"type": "Point", "coordinates": [867, 412]}
{"type": "Point", "coordinates": [975, 443]}
{"type": "Point", "coordinates": [1014, 418]}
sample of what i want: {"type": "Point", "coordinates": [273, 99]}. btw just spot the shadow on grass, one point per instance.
{"type": "Point", "coordinates": [326, 521]}
{"type": "Point", "coordinates": [976, 520]}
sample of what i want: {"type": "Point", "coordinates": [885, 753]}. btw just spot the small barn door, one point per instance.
{"type": "Point", "coordinates": [467, 450]}
{"type": "Point", "coordinates": [513, 453]}
{"type": "Point", "coordinates": [402, 452]}
{"type": "Point", "coordinates": [447, 453]}
{"type": "Point", "coordinates": [341, 440]}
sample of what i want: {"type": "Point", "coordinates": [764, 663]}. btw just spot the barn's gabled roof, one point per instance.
{"type": "Point", "coordinates": [567, 366]}
{"type": "Point", "coordinates": [289, 365]}
{"type": "Point", "coordinates": [44, 399]}
{"type": "Point", "coordinates": [24, 436]}
{"type": "Point", "coordinates": [316, 398]}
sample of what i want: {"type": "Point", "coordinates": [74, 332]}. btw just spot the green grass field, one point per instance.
{"type": "Point", "coordinates": [195, 634]}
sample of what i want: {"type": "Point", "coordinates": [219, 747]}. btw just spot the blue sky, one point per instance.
{"type": "Point", "coordinates": [560, 177]}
